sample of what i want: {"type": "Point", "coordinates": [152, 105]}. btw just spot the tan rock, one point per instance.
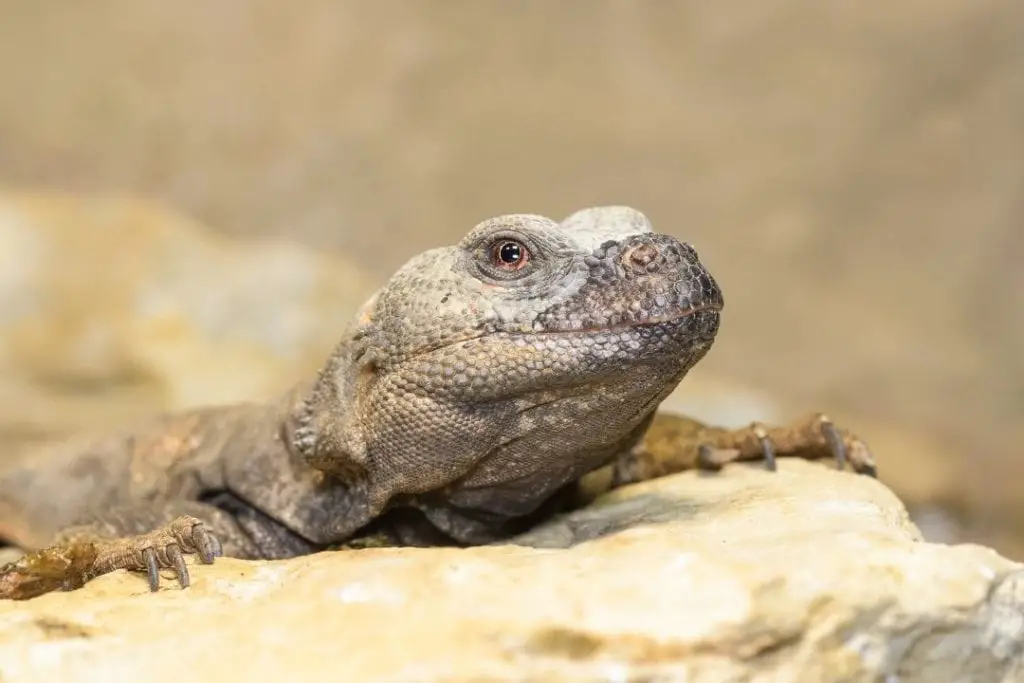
{"type": "Point", "coordinates": [115, 307]}
{"type": "Point", "coordinates": [803, 575]}
{"type": "Point", "coordinates": [921, 468]}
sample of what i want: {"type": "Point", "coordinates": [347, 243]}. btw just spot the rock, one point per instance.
{"type": "Point", "coordinates": [113, 308]}
{"type": "Point", "coordinates": [921, 468]}
{"type": "Point", "coordinates": [807, 574]}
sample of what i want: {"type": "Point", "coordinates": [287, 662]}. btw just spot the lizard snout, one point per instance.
{"type": "Point", "coordinates": [668, 260]}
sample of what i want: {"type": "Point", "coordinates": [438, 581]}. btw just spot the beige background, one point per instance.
{"type": "Point", "coordinates": [851, 172]}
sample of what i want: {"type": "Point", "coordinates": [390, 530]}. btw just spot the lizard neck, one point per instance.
{"type": "Point", "coordinates": [299, 427]}
{"type": "Point", "coordinates": [318, 426]}
{"type": "Point", "coordinates": [296, 432]}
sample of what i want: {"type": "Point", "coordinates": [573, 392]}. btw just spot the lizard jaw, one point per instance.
{"type": "Point", "coordinates": [621, 327]}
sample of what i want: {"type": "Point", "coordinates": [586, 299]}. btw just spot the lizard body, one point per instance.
{"type": "Point", "coordinates": [466, 398]}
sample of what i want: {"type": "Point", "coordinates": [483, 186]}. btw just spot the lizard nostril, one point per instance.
{"type": "Point", "coordinates": [640, 255]}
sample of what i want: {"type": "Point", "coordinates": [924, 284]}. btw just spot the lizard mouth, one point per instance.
{"type": "Point", "coordinates": [649, 322]}
{"type": "Point", "coordinates": [655, 321]}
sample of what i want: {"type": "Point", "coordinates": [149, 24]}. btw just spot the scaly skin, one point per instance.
{"type": "Point", "coordinates": [465, 401]}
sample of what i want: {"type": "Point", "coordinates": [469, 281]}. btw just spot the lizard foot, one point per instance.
{"type": "Point", "coordinates": [810, 438]}
{"type": "Point", "coordinates": [674, 443]}
{"type": "Point", "coordinates": [163, 548]}
{"type": "Point", "coordinates": [83, 555]}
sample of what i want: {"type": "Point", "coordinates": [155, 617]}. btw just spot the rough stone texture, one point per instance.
{"type": "Point", "coordinates": [805, 575]}
{"type": "Point", "coordinates": [113, 308]}
{"type": "Point", "coordinates": [923, 469]}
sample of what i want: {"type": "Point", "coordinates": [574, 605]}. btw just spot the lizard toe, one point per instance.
{"type": "Point", "coordinates": [206, 544]}
{"type": "Point", "coordinates": [861, 458]}
{"type": "Point", "coordinates": [706, 459]}
{"type": "Point", "coordinates": [192, 536]}
{"type": "Point", "coordinates": [834, 440]}
{"type": "Point", "coordinates": [218, 551]}
{"type": "Point", "coordinates": [177, 561]}
{"type": "Point", "coordinates": [767, 446]}
{"type": "Point", "coordinates": [152, 565]}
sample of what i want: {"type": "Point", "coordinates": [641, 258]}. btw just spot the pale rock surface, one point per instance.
{"type": "Point", "coordinates": [803, 575]}
{"type": "Point", "coordinates": [920, 467]}
{"type": "Point", "coordinates": [113, 307]}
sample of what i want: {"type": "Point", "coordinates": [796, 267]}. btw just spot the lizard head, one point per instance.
{"type": "Point", "coordinates": [486, 375]}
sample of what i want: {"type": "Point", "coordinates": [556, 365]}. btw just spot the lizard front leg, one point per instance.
{"type": "Point", "coordinates": [675, 443]}
{"type": "Point", "coordinates": [133, 538]}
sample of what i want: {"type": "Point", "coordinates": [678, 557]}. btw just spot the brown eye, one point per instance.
{"type": "Point", "coordinates": [510, 254]}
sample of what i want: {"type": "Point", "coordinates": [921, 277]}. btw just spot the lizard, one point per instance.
{"type": "Point", "coordinates": [466, 400]}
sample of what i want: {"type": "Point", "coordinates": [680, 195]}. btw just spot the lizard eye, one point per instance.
{"type": "Point", "coordinates": [510, 254]}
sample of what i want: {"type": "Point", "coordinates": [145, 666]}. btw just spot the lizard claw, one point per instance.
{"type": "Point", "coordinates": [206, 544]}
{"type": "Point", "coordinates": [835, 441]}
{"type": "Point", "coordinates": [767, 447]}
{"type": "Point", "coordinates": [177, 559]}
{"type": "Point", "coordinates": [164, 548]}
{"type": "Point", "coordinates": [153, 568]}
{"type": "Point", "coordinates": [847, 449]}
{"type": "Point", "coordinates": [706, 459]}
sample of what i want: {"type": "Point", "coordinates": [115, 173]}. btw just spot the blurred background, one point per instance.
{"type": "Point", "coordinates": [195, 197]}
